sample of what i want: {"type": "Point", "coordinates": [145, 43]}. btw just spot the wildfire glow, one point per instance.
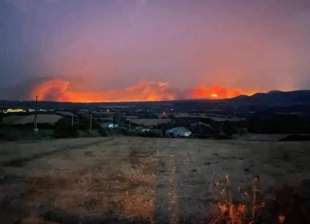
{"type": "Point", "coordinates": [214, 95]}
{"type": "Point", "coordinates": [217, 92]}
{"type": "Point", "coordinates": [63, 90]}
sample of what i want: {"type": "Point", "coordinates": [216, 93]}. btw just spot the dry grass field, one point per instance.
{"type": "Point", "coordinates": [136, 180]}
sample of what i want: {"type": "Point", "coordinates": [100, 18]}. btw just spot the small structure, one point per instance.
{"type": "Point", "coordinates": [178, 132]}
{"type": "Point", "coordinates": [14, 110]}
{"type": "Point", "coordinates": [109, 125]}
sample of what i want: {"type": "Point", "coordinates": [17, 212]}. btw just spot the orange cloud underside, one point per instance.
{"type": "Point", "coordinates": [63, 91]}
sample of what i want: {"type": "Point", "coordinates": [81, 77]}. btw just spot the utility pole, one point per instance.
{"type": "Point", "coordinates": [35, 120]}
{"type": "Point", "coordinates": [72, 121]}
{"type": "Point", "coordinates": [90, 121]}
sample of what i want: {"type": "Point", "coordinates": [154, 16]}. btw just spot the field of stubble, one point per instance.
{"type": "Point", "coordinates": [135, 180]}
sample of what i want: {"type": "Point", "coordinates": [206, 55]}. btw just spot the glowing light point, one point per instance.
{"type": "Point", "coordinates": [214, 95]}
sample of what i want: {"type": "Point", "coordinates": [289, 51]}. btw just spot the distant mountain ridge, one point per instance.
{"type": "Point", "coordinates": [273, 98]}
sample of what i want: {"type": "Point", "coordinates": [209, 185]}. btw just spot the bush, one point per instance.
{"type": "Point", "coordinates": [63, 129]}
{"type": "Point", "coordinates": [103, 132]}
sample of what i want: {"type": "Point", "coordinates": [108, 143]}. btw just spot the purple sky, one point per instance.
{"type": "Point", "coordinates": [113, 44]}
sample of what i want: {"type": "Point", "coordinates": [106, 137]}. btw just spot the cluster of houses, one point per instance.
{"type": "Point", "coordinates": [122, 121]}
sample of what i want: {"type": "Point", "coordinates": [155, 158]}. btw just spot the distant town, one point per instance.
{"type": "Point", "coordinates": [271, 113]}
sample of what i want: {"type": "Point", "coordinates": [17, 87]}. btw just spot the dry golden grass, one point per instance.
{"type": "Point", "coordinates": [138, 178]}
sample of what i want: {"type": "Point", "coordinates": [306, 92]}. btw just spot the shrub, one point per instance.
{"type": "Point", "coordinates": [63, 129]}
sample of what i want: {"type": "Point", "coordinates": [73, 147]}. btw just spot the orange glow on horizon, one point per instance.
{"type": "Point", "coordinates": [218, 92]}
{"type": "Point", "coordinates": [62, 91]}
{"type": "Point", "coordinates": [214, 95]}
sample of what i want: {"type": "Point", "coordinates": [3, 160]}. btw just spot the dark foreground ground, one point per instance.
{"type": "Point", "coordinates": [139, 180]}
